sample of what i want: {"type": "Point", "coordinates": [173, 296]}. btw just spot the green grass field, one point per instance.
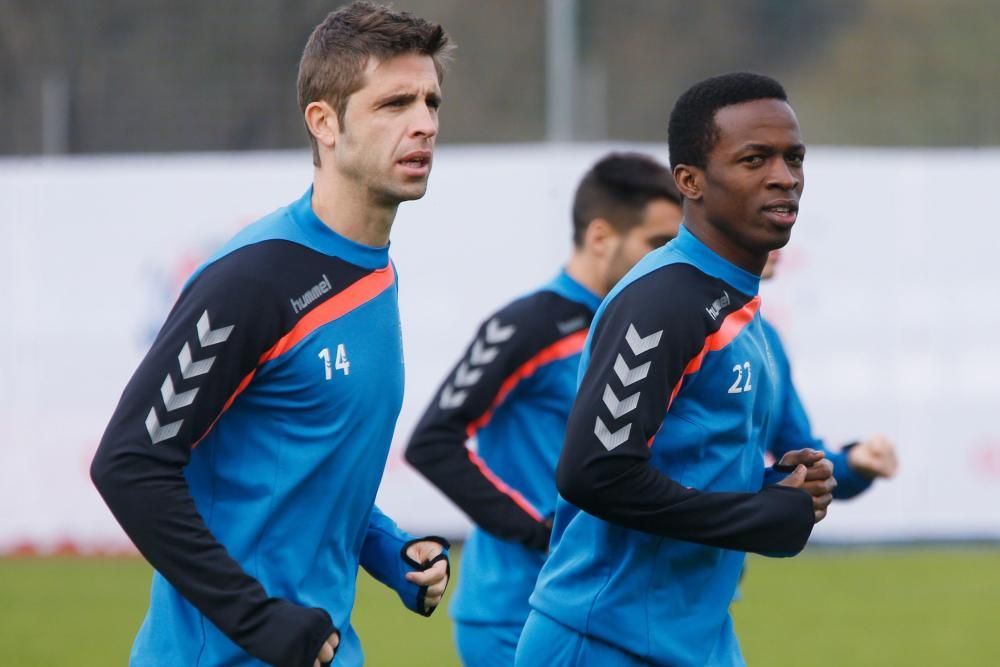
{"type": "Point", "coordinates": [898, 606]}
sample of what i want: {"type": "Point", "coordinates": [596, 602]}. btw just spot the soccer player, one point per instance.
{"type": "Point", "coordinates": [513, 389]}
{"type": "Point", "coordinates": [244, 456]}
{"type": "Point", "coordinates": [855, 466]}
{"type": "Point", "coordinates": [661, 476]}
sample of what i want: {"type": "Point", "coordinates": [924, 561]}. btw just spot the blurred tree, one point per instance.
{"type": "Point", "coordinates": [168, 75]}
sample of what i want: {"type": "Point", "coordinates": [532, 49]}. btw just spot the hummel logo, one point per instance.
{"type": "Point", "coordinates": [567, 327]}
{"type": "Point", "coordinates": [318, 290]}
{"type": "Point", "coordinates": [718, 305]}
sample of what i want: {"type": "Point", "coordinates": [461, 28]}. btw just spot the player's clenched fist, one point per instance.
{"type": "Point", "coordinates": [874, 457]}
{"type": "Point", "coordinates": [328, 650]}
{"type": "Point", "coordinates": [435, 577]}
{"type": "Point", "coordinates": [814, 475]}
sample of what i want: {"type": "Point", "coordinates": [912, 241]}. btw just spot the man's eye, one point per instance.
{"type": "Point", "coordinates": [796, 159]}
{"type": "Point", "coordinates": [753, 160]}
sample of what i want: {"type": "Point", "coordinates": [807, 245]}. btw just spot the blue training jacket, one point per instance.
{"type": "Point", "coordinates": [793, 430]}
{"type": "Point", "coordinates": [244, 456]}
{"type": "Point", "coordinates": [511, 391]}
{"type": "Point", "coordinates": [661, 473]}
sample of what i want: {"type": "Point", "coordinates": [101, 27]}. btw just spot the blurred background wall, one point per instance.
{"type": "Point", "coordinates": [882, 300]}
{"type": "Point", "coordinates": [103, 76]}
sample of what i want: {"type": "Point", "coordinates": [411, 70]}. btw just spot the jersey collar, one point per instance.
{"type": "Point", "coordinates": [708, 261]}
{"type": "Point", "coordinates": [329, 242]}
{"type": "Point", "coordinates": [565, 286]}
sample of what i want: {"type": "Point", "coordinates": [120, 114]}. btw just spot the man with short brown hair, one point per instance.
{"type": "Point", "coordinates": [342, 46]}
{"type": "Point", "coordinates": [245, 454]}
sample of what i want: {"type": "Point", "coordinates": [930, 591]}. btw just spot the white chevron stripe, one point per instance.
{"type": "Point", "coordinates": [608, 439]}
{"type": "Point", "coordinates": [497, 334]}
{"type": "Point", "coordinates": [189, 367]}
{"type": "Point", "coordinates": [207, 337]}
{"type": "Point", "coordinates": [619, 408]}
{"type": "Point", "coordinates": [640, 344]}
{"type": "Point", "coordinates": [465, 376]}
{"type": "Point", "coordinates": [171, 399]}
{"type": "Point", "coordinates": [451, 399]}
{"type": "Point", "coordinates": [630, 375]}
{"type": "Point", "coordinates": [159, 433]}
{"type": "Point", "coordinates": [481, 354]}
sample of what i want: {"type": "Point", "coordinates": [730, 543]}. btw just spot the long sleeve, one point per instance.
{"type": "Point", "coordinates": [639, 357]}
{"type": "Point", "coordinates": [205, 354]}
{"type": "Point", "coordinates": [507, 349]}
{"type": "Point", "coordinates": [795, 432]}
{"type": "Point", "coordinates": [383, 556]}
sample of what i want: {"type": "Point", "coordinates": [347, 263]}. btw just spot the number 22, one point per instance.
{"type": "Point", "coordinates": [738, 369]}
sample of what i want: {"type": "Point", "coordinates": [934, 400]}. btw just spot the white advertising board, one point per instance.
{"type": "Point", "coordinates": [883, 301]}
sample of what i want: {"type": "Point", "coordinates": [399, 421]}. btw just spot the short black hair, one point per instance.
{"type": "Point", "coordinates": [618, 188]}
{"type": "Point", "coordinates": [692, 132]}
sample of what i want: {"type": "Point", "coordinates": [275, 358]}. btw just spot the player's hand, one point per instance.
{"type": "Point", "coordinates": [874, 457]}
{"type": "Point", "coordinates": [814, 475]}
{"type": "Point", "coordinates": [328, 650]}
{"type": "Point", "coordinates": [435, 578]}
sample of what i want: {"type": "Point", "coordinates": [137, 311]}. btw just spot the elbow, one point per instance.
{"type": "Point", "coordinates": [108, 473]}
{"type": "Point", "coordinates": [100, 471]}
{"type": "Point", "coordinates": [574, 487]}
{"type": "Point", "coordinates": [414, 454]}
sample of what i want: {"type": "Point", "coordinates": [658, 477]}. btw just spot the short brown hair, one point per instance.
{"type": "Point", "coordinates": [337, 53]}
{"type": "Point", "coordinates": [617, 189]}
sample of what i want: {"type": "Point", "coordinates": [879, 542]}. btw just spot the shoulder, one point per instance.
{"type": "Point", "coordinates": [770, 332]}
{"type": "Point", "coordinates": [280, 268]}
{"type": "Point", "coordinates": [775, 345]}
{"type": "Point", "coordinates": [539, 319]}
{"type": "Point", "coordinates": [674, 294]}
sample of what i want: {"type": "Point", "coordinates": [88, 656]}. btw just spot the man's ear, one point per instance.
{"type": "Point", "coordinates": [689, 181]}
{"type": "Point", "coordinates": [599, 236]}
{"type": "Point", "coordinates": [321, 120]}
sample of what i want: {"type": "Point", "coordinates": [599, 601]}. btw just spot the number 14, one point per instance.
{"type": "Point", "coordinates": [341, 362]}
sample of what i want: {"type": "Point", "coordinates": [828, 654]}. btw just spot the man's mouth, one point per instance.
{"type": "Point", "coordinates": [782, 212]}
{"type": "Point", "coordinates": [417, 161]}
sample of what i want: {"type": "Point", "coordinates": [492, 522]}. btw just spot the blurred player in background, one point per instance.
{"type": "Point", "coordinates": [857, 464]}
{"type": "Point", "coordinates": [661, 477]}
{"type": "Point", "coordinates": [513, 389]}
{"type": "Point", "coordinates": [244, 456]}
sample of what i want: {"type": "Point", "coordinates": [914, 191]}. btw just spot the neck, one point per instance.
{"type": "Point", "coordinates": [722, 245]}
{"type": "Point", "coordinates": [583, 268]}
{"type": "Point", "coordinates": [350, 210]}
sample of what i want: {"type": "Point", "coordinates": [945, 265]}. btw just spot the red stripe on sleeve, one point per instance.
{"type": "Point", "coordinates": [355, 295]}
{"type": "Point", "coordinates": [562, 348]}
{"type": "Point", "coordinates": [731, 327]}
{"type": "Point", "coordinates": [521, 501]}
